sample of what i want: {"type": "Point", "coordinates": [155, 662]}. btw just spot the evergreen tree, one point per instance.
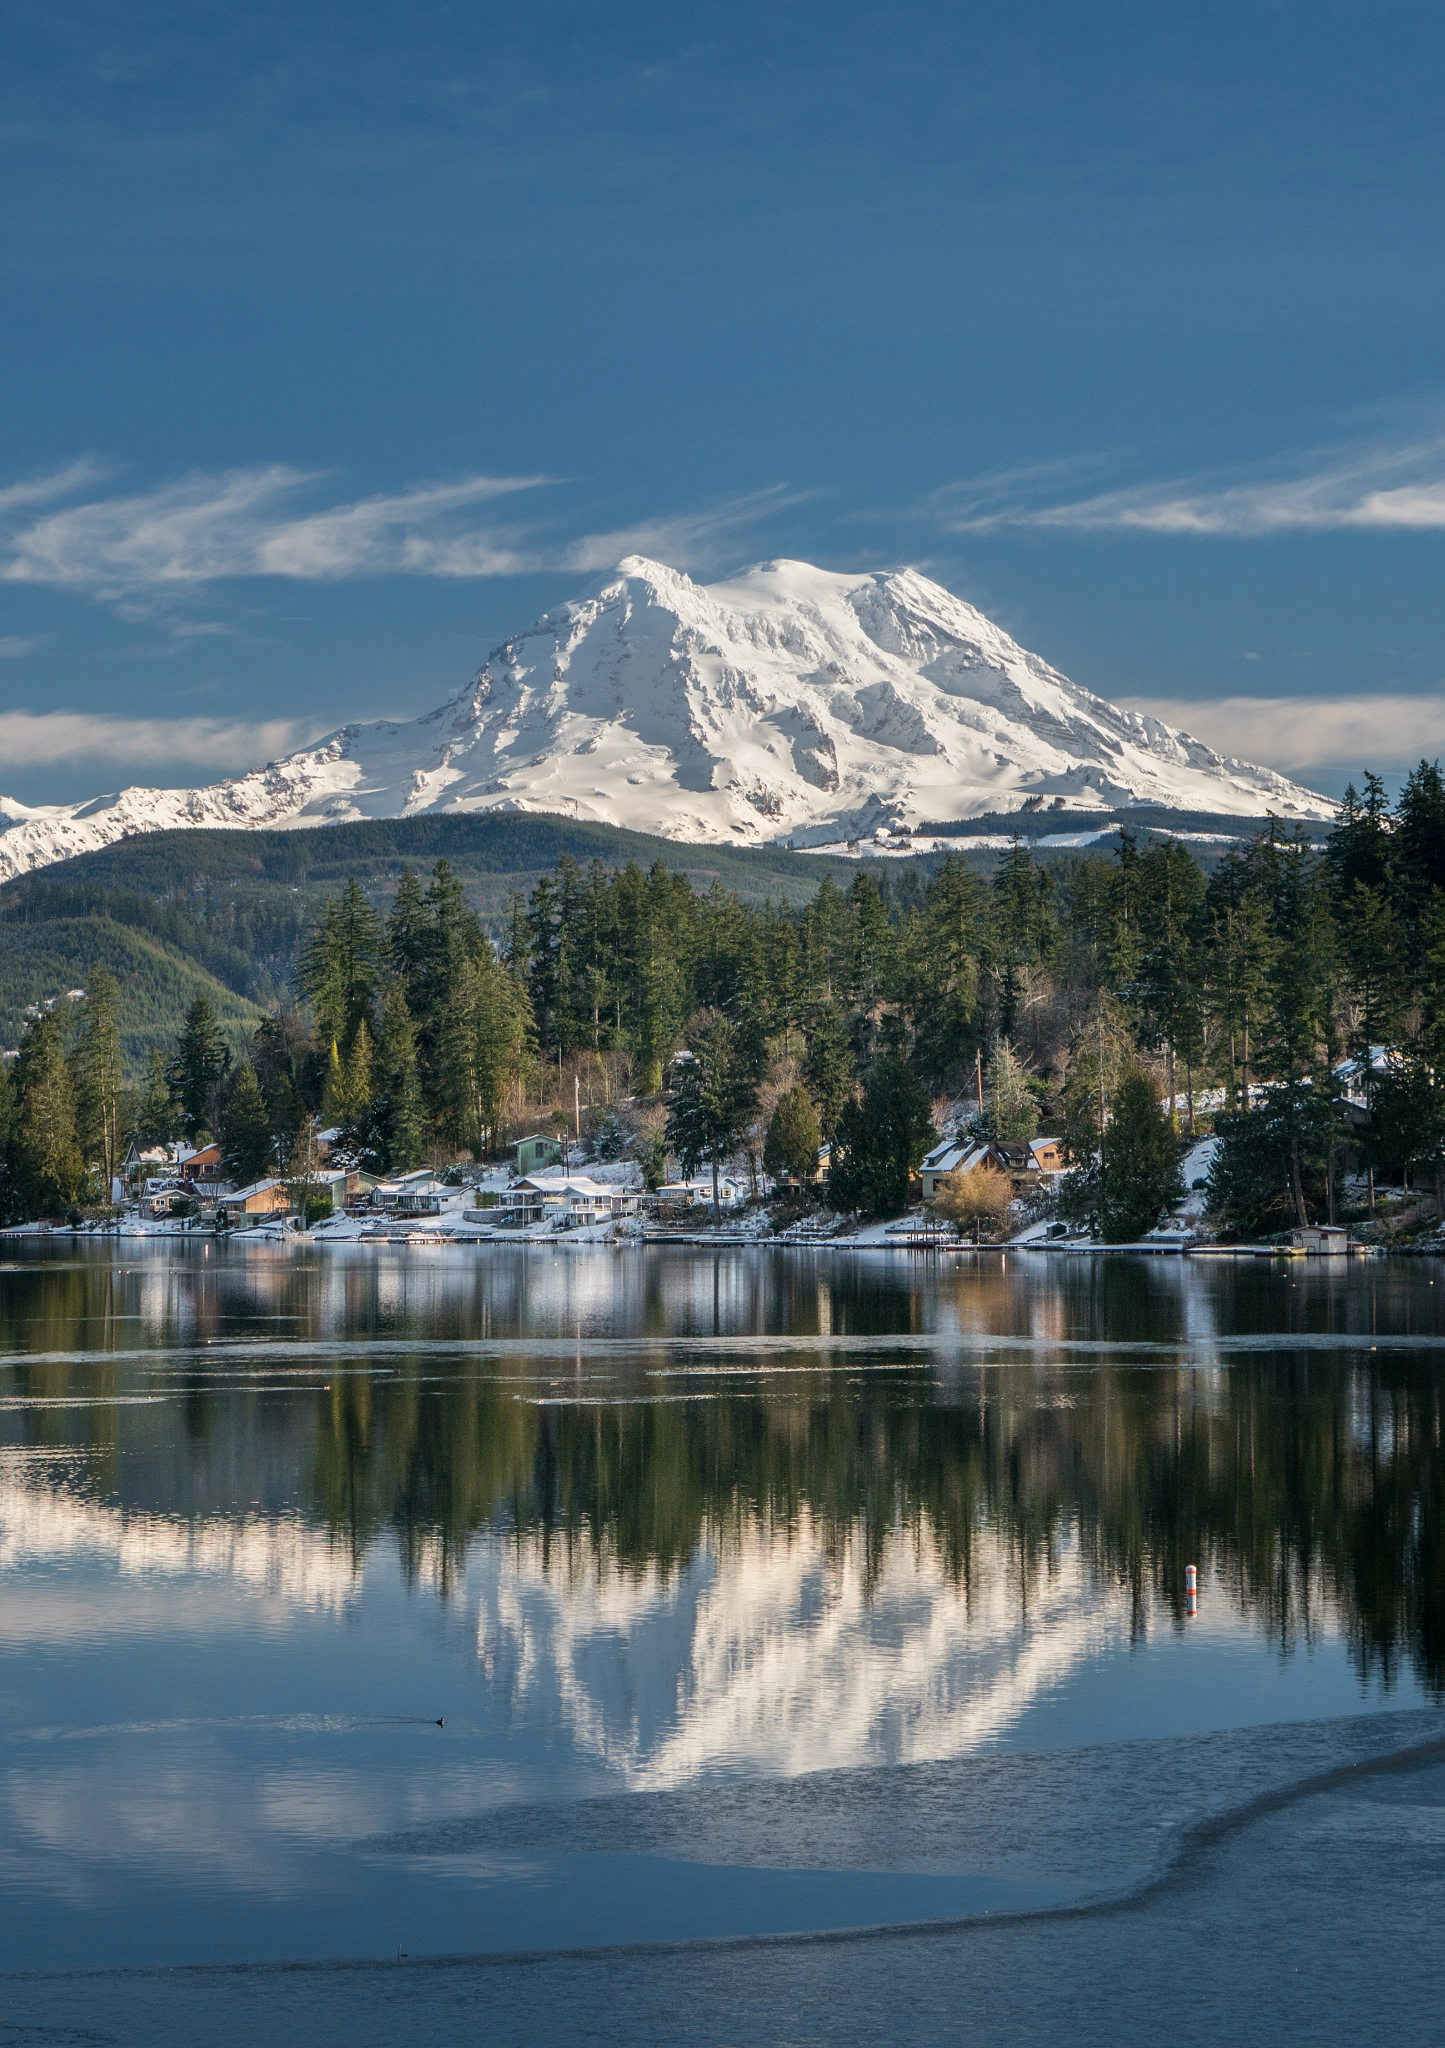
{"type": "Point", "coordinates": [333, 1094]}
{"type": "Point", "coordinates": [714, 1099]}
{"type": "Point", "coordinates": [1240, 954]}
{"type": "Point", "coordinates": [794, 1136]}
{"type": "Point", "coordinates": [828, 1064]}
{"type": "Point", "coordinates": [202, 1059]}
{"type": "Point", "coordinates": [395, 1135]}
{"type": "Point", "coordinates": [408, 933]}
{"type": "Point", "coordinates": [1140, 1177]}
{"type": "Point", "coordinates": [1359, 847]}
{"type": "Point", "coordinates": [1167, 988]}
{"type": "Point", "coordinates": [46, 1169]}
{"type": "Point", "coordinates": [282, 1052]}
{"type": "Point", "coordinates": [1100, 1054]}
{"type": "Point", "coordinates": [357, 1077]}
{"type": "Point", "coordinates": [247, 1146]}
{"type": "Point", "coordinates": [98, 1072]}
{"type": "Point", "coordinates": [341, 965]}
{"type": "Point", "coordinates": [156, 1122]}
{"type": "Point", "coordinates": [879, 1142]}
{"type": "Point", "coordinates": [1418, 841]}
{"type": "Point", "coordinates": [940, 954]}
{"type": "Point", "coordinates": [1021, 933]}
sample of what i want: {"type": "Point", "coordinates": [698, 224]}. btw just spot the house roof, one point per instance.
{"type": "Point", "coordinates": [257, 1187]}
{"type": "Point", "coordinates": [567, 1184]}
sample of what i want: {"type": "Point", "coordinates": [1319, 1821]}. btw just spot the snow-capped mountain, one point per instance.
{"type": "Point", "coordinates": [792, 704]}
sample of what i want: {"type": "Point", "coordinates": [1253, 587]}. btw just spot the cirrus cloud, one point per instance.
{"type": "Point", "coordinates": [240, 523]}
{"type": "Point", "coordinates": [1396, 487]}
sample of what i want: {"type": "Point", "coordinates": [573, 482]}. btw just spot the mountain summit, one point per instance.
{"type": "Point", "coordinates": [792, 704]}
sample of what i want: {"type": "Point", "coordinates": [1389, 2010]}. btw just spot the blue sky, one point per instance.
{"type": "Point", "coordinates": [338, 342]}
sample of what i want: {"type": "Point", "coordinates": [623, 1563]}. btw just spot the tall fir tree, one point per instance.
{"type": "Point", "coordinates": [879, 1141]}
{"type": "Point", "coordinates": [247, 1144]}
{"type": "Point", "coordinates": [200, 1065]}
{"type": "Point", "coordinates": [47, 1172]}
{"type": "Point", "coordinates": [99, 1074]}
{"type": "Point", "coordinates": [714, 1100]}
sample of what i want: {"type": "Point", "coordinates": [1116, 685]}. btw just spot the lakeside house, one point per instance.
{"type": "Point", "coordinates": [258, 1203]}
{"type": "Point", "coordinates": [1029, 1163]}
{"type": "Point", "coordinates": [575, 1199]}
{"type": "Point", "coordinates": [419, 1193]}
{"type": "Point", "coordinates": [689, 1194]}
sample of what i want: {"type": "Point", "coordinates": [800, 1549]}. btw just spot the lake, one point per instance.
{"type": "Point", "coordinates": [375, 1605]}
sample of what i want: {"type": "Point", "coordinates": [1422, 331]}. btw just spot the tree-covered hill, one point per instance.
{"type": "Point", "coordinates": [172, 914]}
{"type": "Point", "coordinates": [43, 961]}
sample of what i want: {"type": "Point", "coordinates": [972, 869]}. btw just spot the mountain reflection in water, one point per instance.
{"type": "Point", "coordinates": [876, 1530]}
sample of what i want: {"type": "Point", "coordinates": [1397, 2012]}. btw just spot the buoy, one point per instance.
{"type": "Point", "coordinates": [1191, 1578]}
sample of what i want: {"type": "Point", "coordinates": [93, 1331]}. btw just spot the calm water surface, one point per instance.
{"type": "Point", "coordinates": [756, 1591]}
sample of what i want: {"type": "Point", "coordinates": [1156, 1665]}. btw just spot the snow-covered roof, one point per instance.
{"type": "Point", "coordinates": [568, 1184]}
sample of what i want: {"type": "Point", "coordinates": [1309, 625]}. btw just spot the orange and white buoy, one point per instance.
{"type": "Point", "coordinates": [1191, 1592]}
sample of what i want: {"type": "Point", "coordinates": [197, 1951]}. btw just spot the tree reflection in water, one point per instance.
{"type": "Point", "coordinates": [1304, 1477]}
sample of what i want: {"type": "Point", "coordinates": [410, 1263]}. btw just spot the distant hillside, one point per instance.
{"type": "Point", "coordinates": [172, 913]}
{"type": "Point", "coordinates": [47, 959]}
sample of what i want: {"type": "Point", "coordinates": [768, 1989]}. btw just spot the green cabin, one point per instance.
{"type": "Point", "coordinates": [537, 1152]}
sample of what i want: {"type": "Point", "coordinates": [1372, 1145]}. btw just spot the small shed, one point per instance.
{"type": "Point", "coordinates": [536, 1152]}
{"type": "Point", "coordinates": [1319, 1237]}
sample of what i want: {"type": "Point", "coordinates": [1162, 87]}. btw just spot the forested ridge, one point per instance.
{"type": "Point", "coordinates": [1101, 998]}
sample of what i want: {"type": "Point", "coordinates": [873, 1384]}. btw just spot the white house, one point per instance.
{"type": "Point", "coordinates": [689, 1193]}
{"type": "Point", "coordinates": [571, 1198]}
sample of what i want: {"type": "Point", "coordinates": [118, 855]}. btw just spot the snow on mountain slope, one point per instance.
{"type": "Point", "coordinates": [791, 704]}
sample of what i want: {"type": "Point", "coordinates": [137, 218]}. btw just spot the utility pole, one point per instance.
{"type": "Point", "coordinates": [978, 1074]}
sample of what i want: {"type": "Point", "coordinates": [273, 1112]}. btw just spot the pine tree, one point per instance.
{"type": "Point", "coordinates": [341, 965]}
{"type": "Point", "coordinates": [1022, 933]}
{"type": "Point", "coordinates": [1167, 984]}
{"type": "Point", "coordinates": [1140, 1175]}
{"type": "Point", "coordinates": [98, 1071]}
{"type": "Point", "coordinates": [156, 1111]}
{"type": "Point", "coordinates": [357, 1077]}
{"type": "Point", "coordinates": [714, 1099]}
{"type": "Point", "coordinates": [200, 1065]}
{"type": "Point", "coordinates": [333, 1094]}
{"type": "Point", "coordinates": [828, 1064]}
{"type": "Point", "coordinates": [879, 1141]}
{"type": "Point", "coordinates": [247, 1146]}
{"type": "Point", "coordinates": [940, 955]}
{"type": "Point", "coordinates": [46, 1168]}
{"type": "Point", "coordinates": [793, 1139]}
{"type": "Point", "coordinates": [395, 1135]}
{"type": "Point", "coordinates": [408, 933]}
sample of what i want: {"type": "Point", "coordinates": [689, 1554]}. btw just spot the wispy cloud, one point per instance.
{"type": "Point", "coordinates": [1297, 734]}
{"type": "Point", "coordinates": [56, 483]}
{"type": "Point", "coordinates": [202, 529]}
{"type": "Point", "coordinates": [1377, 486]}
{"type": "Point", "coordinates": [14, 645]}
{"type": "Point", "coordinates": [133, 549]}
{"type": "Point", "coordinates": [47, 739]}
